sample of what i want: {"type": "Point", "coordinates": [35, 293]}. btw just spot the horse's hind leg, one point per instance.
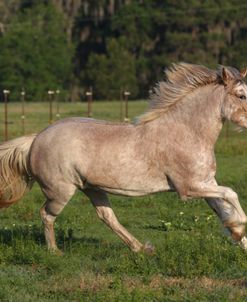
{"type": "Point", "coordinates": [105, 213]}
{"type": "Point", "coordinates": [48, 221]}
{"type": "Point", "coordinates": [56, 201]}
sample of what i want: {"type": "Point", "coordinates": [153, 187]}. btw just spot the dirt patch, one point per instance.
{"type": "Point", "coordinates": [96, 283]}
{"type": "Point", "coordinates": [203, 282]}
{"type": "Point", "coordinates": [130, 283]}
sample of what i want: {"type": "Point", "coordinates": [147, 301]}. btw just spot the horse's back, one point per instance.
{"type": "Point", "coordinates": [72, 146]}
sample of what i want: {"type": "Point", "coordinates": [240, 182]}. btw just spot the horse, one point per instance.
{"type": "Point", "coordinates": [168, 148]}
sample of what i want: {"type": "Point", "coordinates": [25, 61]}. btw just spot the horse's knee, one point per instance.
{"type": "Point", "coordinates": [104, 213]}
{"type": "Point", "coordinates": [230, 194]}
{"type": "Point", "coordinates": [46, 217]}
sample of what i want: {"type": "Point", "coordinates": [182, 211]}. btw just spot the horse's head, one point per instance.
{"type": "Point", "coordinates": [235, 102]}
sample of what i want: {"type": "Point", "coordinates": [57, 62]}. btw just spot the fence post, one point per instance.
{"type": "Point", "coordinates": [6, 93]}
{"type": "Point", "coordinates": [50, 93]}
{"type": "Point", "coordinates": [58, 103]}
{"type": "Point", "coordinates": [126, 95]}
{"type": "Point", "coordinates": [89, 95]}
{"type": "Point", "coordinates": [121, 104]}
{"type": "Point", "coordinates": [23, 117]}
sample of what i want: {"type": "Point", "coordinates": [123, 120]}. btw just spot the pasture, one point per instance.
{"type": "Point", "coordinates": [193, 260]}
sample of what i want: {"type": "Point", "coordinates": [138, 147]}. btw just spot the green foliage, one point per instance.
{"type": "Point", "coordinates": [34, 53]}
{"type": "Point", "coordinates": [118, 44]}
{"type": "Point", "coordinates": [159, 33]}
{"type": "Point", "coordinates": [108, 73]}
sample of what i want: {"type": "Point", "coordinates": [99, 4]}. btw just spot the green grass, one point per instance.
{"type": "Point", "coordinates": [193, 260]}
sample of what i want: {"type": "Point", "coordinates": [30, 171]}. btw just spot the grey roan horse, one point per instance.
{"type": "Point", "coordinates": [169, 148]}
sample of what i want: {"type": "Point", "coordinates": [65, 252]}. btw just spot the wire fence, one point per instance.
{"type": "Point", "coordinates": [21, 118]}
{"type": "Point", "coordinates": [53, 110]}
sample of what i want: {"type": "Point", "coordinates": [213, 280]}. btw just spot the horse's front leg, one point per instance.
{"type": "Point", "coordinates": [225, 203]}
{"type": "Point", "coordinates": [226, 212]}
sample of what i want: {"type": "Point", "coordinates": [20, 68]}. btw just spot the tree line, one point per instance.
{"type": "Point", "coordinates": [113, 45]}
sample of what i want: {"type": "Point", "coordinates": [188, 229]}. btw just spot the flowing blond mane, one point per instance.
{"type": "Point", "coordinates": [181, 79]}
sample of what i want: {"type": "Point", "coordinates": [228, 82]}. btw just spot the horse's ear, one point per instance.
{"type": "Point", "coordinates": [243, 72]}
{"type": "Point", "coordinates": [225, 75]}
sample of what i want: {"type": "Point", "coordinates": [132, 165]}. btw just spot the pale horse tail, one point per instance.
{"type": "Point", "coordinates": [15, 180]}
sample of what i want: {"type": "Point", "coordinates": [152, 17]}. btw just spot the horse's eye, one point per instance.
{"type": "Point", "coordinates": [242, 97]}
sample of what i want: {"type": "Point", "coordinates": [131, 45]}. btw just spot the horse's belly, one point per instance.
{"type": "Point", "coordinates": [135, 188]}
{"type": "Point", "coordinates": [130, 192]}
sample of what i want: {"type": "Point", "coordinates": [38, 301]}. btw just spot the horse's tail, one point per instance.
{"type": "Point", "coordinates": [15, 179]}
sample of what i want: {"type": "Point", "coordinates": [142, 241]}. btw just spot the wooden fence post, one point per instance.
{"type": "Point", "coordinates": [58, 103]}
{"type": "Point", "coordinates": [89, 95]}
{"type": "Point", "coordinates": [126, 117]}
{"type": "Point", "coordinates": [6, 93]}
{"type": "Point", "coordinates": [23, 117]}
{"type": "Point", "coordinates": [50, 93]}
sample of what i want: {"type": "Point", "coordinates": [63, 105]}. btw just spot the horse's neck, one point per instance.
{"type": "Point", "coordinates": [199, 112]}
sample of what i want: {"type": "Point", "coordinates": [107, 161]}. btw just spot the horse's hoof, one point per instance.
{"type": "Point", "coordinates": [148, 248]}
{"type": "Point", "coordinates": [243, 243]}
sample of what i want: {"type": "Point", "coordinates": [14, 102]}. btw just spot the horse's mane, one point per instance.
{"type": "Point", "coordinates": [181, 79]}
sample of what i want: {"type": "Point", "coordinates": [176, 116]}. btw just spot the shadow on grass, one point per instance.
{"type": "Point", "coordinates": [36, 234]}
{"type": "Point", "coordinates": [168, 227]}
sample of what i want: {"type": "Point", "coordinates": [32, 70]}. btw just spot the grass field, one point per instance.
{"type": "Point", "coordinates": [193, 260]}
